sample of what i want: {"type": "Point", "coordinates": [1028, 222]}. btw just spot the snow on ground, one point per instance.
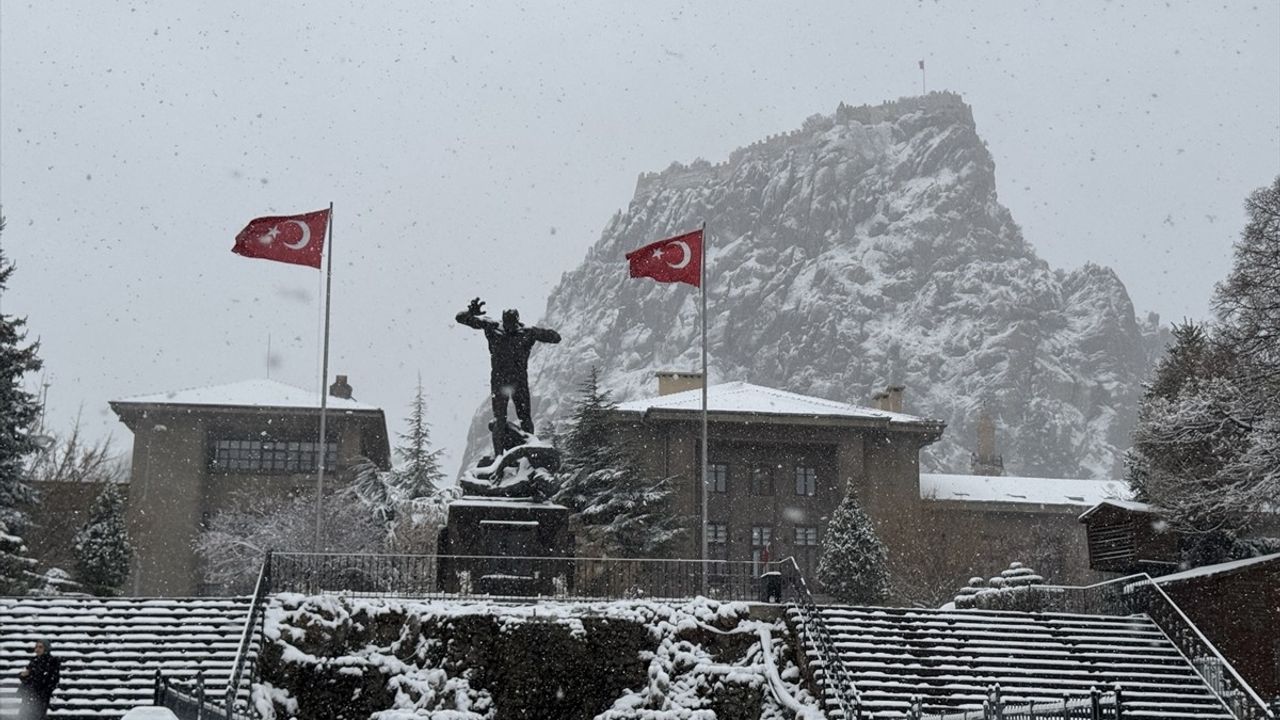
{"type": "Point", "coordinates": [704, 653]}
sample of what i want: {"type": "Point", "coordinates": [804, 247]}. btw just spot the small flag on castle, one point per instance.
{"type": "Point", "coordinates": [296, 239]}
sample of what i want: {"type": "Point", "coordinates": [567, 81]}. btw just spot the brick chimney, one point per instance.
{"type": "Point", "coordinates": [986, 461]}
{"type": "Point", "coordinates": [894, 393]}
{"type": "Point", "coordinates": [674, 381]}
{"type": "Point", "coordinates": [340, 388]}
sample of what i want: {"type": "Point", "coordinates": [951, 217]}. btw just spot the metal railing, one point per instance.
{"type": "Point", "coordinates": [189, 700]}
{"type": "Point", "coordinates": [1140, 595]}
{"type": "Point", "coordinates": [479, 576]}
{"type": "Point", "coordinates": [1097, 705]}
{"type": "Point", "coordinates": [242, 671]}
{"type": "Point", "coordinates": [813, 630]}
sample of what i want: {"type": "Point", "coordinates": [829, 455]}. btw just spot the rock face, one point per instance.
{"type": "Point", "coordinates": [867, 248]}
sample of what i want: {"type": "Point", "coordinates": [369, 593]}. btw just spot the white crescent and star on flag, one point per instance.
{"type": "Point", "coordinates": [271, 235]}
{"type": "Point", "coordinates": [687, 254]}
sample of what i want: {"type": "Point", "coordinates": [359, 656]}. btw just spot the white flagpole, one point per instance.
{"type": "Point", "coordinates": [702, 287]}
{"type": "Point", "coordinates": [321, 451]}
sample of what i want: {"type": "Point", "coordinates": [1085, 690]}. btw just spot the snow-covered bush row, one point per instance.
{"type": "Point", "coordinates": [1016, 588]}
{"type": "Point", "coordinates": [337, 657]}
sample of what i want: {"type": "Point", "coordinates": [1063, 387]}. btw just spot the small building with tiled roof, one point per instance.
{"type": "Point", "coordinates": [196, 451]}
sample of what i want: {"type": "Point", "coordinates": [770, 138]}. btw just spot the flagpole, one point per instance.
{"type": "Point", "coordinates": [322, 449]}
{"type": "Point", "coordinates": [702, 287]}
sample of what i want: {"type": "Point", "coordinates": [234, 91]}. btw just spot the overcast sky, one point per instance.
{"type": "Point", "coordinates": [479, 149]}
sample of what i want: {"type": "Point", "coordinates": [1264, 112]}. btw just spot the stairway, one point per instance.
{"type": "Point", "coordinates": [110, 647]}
{"type": "Point", "coordinates": [949, 659]}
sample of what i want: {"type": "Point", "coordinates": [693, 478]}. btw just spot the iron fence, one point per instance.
{"type": "Point", "coordinates": [812, 630]}
{"type": "Point", "coordinates": [1097, 705]}
{"type": "Point", "coordinates": [1140, 595]}
{"type": "Point", "coordinates": [243, 671]}
{"type": "Point", "coordinates": [479, 576]}
{"type": "Point", "coordinates": [191, 701]}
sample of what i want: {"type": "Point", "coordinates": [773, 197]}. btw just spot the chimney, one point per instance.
{"type": "Point", "coordinates": [894, 394]}
{"type": "Point", "coordinates": [674, 381]}
{"type": "Point", "coordinates": [340, 388]}
{"type": "Point", "coordinates": [880, 401]}
{"type": "Point", "coordinates": [986, 461]}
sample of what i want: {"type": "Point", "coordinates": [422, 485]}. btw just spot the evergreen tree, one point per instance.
{"type": "Point", "coordinates": [19, 411]}
{"type": "Point", "coordinates": [1206, 447]}
{"type": "Point", "coordinates": [102, 546]}
{"type": "Point", "coordinates": [627, 514]}
{"type": "Point", "coordinates": [854, 563]}
{"type": "Point", "coordinates": [420, 475]}
{"type": "Point", "coordinates": [1248, 302]}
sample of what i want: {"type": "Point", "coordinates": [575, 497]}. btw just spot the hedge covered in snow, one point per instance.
{"type": "Point", "coordinates": [337, 657]}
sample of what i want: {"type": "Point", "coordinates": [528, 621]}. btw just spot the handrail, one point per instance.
{"type": "Point", "coordinates": [256, 609]}
{"type": "Point", "coordinates": [1185, 636]}
{"type": "Point", "coordinates": [1259, 708]}
{"type": "Point", "coordinates": [801, 599]}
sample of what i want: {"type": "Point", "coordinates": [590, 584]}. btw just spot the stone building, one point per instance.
{"type": "Point", "coordinates": [196, 450]}
{"type": "Point", "coordinates": [780, 463]}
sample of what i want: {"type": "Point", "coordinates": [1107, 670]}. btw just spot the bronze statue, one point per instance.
{"type": "Point", "coordinates": [509, 346]}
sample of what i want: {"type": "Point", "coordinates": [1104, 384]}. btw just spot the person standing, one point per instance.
{"type": "Point", "coordinates": [39, 680]}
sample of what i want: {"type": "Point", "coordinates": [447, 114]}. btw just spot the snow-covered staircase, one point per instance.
{"type": "Point", "coordinates": [950, 658]}
{"type": "Point", "coordinates": [110, 647]}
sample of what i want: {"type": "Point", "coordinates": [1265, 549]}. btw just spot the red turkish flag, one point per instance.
{"type": "Point", "coordinates": [676, 259]}
{"type": "Point", "coordinates": [297, 239]}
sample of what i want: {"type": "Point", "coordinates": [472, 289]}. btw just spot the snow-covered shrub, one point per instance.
{"type": "Point", "coordinates": [331, 657]}
{"type": "Point", "coordinates": [1015, 588]}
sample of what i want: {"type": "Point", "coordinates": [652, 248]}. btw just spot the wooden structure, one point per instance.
{"type": "Point", "coordinates": [1128, 537]}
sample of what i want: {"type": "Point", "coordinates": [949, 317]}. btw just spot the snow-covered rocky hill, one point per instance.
{"type": "Point", "coordinates": [865, 249]}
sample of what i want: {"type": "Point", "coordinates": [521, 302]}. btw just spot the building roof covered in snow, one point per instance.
{"type": "Point", "coordinates": [1220, 569]}
{"type": "Point", "coordinates": [744, 402]}
{"type": "Point", "coordinates": [1119, 504]}
{"type": "Point", "coordinates": [1011, 490]}
{"type": "Point", "coordinates": [258, 393]}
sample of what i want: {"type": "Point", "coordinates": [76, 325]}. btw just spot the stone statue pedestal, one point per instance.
{"type": "Point", "coordinates": [506, 546]}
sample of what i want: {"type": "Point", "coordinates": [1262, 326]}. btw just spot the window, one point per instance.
{"type": "Point", "coordinates": [270, 456]}
{"type": "Point", "coordinates": [718, 541]}
{"type": "Point", "coordinates": [806, 536]}
{"type": "Point", "coordinates": [806, 480]}
{"type": "Point", "coordinates": [718, 477]}
{"type": "Point", "coordinates": [760, 538]}
{"type": "Point", "coordinates": [717, 533]}
{"type": "Point", "coordinates": [761, 480]}
{"type": "Point", "coordinates": [805, 549]}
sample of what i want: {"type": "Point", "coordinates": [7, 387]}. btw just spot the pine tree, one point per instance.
{"type": "Point", "coordinates": [19, 411]}
{"type": "Point", "coordinates": [1206, 447]}
{"type": "Point", "coordinates": [627, 514]}
{"type": "Point", "coordinates": [420, 475]}
{"type": "Point", "coordinates": [853, 567]}
{"type": "Point", "coordinates": [102, 546]}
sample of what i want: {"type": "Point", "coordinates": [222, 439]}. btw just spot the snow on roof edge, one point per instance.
{"type": "Point", "coordinates": [1217, 569]}
{"type": "Point", "coordinates": [743, 397]}
{"type": "Point", "coordinates": [258, 393]}
{"type": "Point", "coordinates": [1014, 490]}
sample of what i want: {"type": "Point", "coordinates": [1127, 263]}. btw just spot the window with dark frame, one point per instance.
{"type": "Point", "coordinates": [806, 480]}
{"type": "Point", "coordinates": [270, 456]}
{"type": "Point", "coordinates": [761, 537]}
{"type": "Point", "coordinates": [718, 477]}
{"type": "Point", "coordinates": [762, 480]}
{"type": "Point", "coordinates": [806, 536]}
{"type": "Point", "coordinates": [718, 541]}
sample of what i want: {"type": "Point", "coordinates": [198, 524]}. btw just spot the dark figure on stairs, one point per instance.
{"type": "Point", "coordinates": [509, 347]}
{"type": "Point", "coordinates": [39, 681]}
